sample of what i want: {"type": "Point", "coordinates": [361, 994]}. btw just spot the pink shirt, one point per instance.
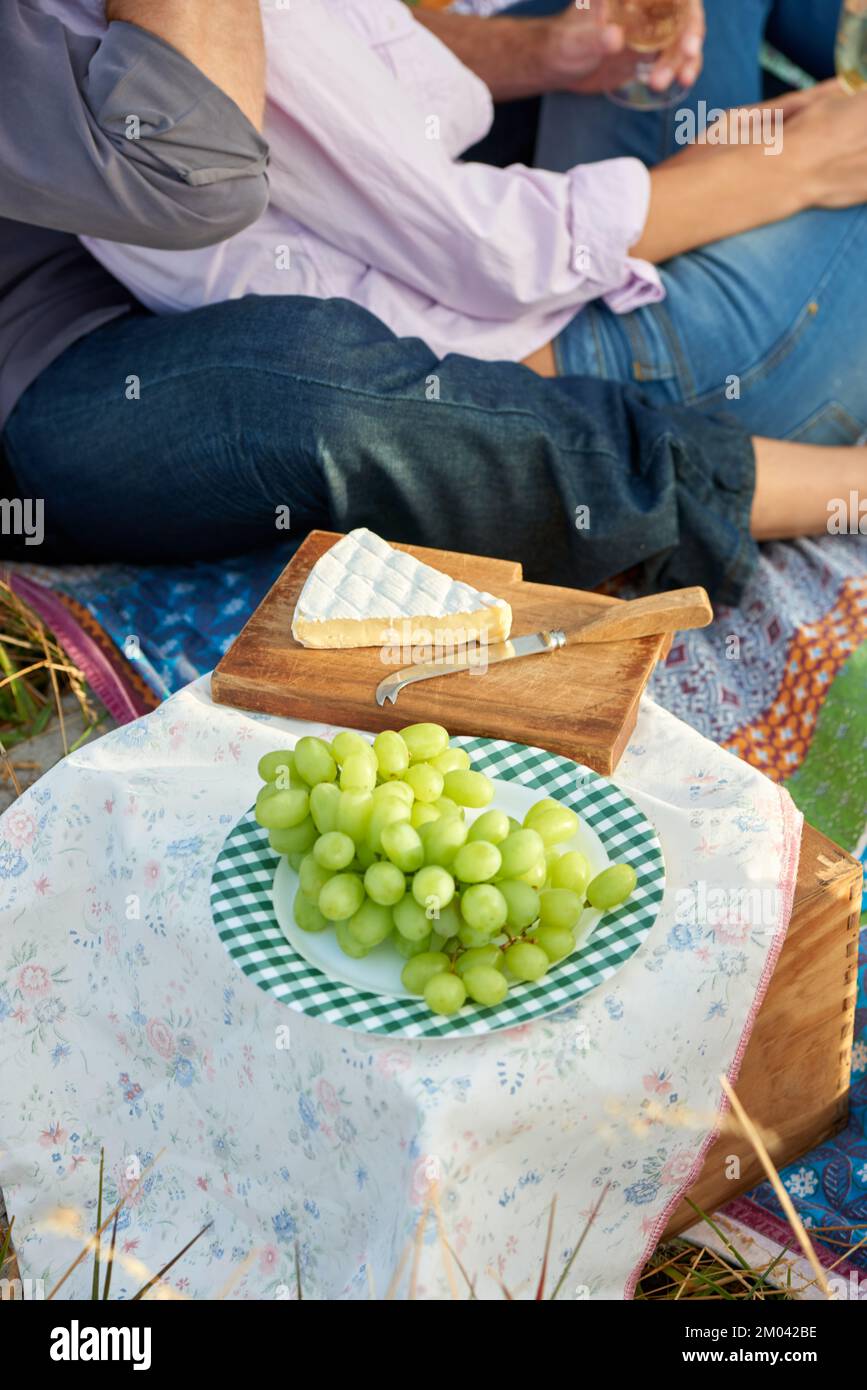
{"type": "Point", "coordinates": [367, 113]}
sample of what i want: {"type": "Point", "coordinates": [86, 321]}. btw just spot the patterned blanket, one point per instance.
{"type": "Point", "coordinates": [781, 681]}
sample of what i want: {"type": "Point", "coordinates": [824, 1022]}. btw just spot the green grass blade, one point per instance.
{"type": "Point", "coordinates": [110, 1264]}
{"type": "Point", "coordinates": [24, 706]}
{"type": "Point", "coordinates": [94, 1292]}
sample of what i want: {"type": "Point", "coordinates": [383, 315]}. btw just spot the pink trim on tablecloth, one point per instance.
{"type": "Point", "coordinates": [122, 703]}
{"type": "Point", "coordinates": [792, 821]}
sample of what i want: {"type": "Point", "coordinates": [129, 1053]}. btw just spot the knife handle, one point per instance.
{"type": "Point", "coordinates": [646, 617]}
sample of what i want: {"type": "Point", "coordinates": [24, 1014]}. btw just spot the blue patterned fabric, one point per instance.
{"type": "Point", "coordinates": [174, 622]}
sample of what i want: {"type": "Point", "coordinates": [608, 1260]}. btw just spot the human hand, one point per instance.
{"type": "Point", "coordinates": [583, 51]}
{"type": "Point", "coordinates": [825, 144]}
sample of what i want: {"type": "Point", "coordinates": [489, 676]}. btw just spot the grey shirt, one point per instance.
{"type": "Point", "coordinates": [120, 138]}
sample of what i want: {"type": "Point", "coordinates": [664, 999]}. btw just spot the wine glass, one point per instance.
{"type": "Point", "coordinates": [650, 26]}
{"type": "Point", "coordinates": [851, 52]}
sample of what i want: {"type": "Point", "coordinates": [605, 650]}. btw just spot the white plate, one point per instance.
{"type": "Point", "coordinates": [379, 972]}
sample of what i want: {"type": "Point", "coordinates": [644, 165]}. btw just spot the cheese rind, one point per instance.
{"type": "Point", "coordinates": [362, 591]}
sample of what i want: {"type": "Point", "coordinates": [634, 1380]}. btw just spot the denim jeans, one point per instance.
{"type": "Point", "coordinates": [159, 438]}
{"type": "Point", "coordinates": [769, 327]}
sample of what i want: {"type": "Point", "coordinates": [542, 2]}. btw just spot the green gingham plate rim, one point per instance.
{"type": "Point", "coordinates": [243, 913]}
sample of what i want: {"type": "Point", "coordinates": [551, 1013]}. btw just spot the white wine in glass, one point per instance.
{"type": "Point", "coordinates": [852, 46]}
{"type": "Point", "coordinates": [650, 26]}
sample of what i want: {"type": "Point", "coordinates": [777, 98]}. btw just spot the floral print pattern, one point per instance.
{"type": "Point", "coordinates": [124, 1024]}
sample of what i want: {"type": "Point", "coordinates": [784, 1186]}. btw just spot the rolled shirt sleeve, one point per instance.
{"type": "Point", "coordinates": [489, 242]}
{"type": "Point", "coordinates": [121, 137]}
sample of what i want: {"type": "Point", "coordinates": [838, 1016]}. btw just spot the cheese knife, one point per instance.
{"type": "Point", "coordinates": [675, 611]}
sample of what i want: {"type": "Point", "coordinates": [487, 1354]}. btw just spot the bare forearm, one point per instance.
{"type": "Point", "coordinates": [505, 53]}
{"type": "Point", "coordinates": [696, 201]}
{"type": "Point", "coordinates": [796, 485]}
{"type": "Point", "coordinates": [222, 37]}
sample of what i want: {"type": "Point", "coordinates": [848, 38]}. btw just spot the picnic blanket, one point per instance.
{"type": "Point", "coordinates": [781, 681]}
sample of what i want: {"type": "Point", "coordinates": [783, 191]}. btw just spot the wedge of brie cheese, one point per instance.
{"type": "Point", "coordinates": [362, 593]}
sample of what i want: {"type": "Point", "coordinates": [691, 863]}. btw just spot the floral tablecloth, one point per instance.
{"type": "Point", "coordinates": [124, 1023]}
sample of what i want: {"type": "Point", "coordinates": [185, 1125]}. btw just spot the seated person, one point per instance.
{"type": "Point", "coordinates": [165, 437]}
{"type": "Point", "coordinates": [731, 277]}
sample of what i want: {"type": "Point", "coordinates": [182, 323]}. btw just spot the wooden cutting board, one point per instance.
{"type": "Point", "coordinates": [581, 701]}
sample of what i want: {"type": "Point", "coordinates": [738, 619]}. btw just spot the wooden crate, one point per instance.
{"type": "Point", "coordinates": [794, 1079]}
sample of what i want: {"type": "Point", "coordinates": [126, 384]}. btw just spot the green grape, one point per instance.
{"type": "Point", "coordinates": [324, 802]}
{"type": "Point", "coordinates": [555, 826]}
{"type": "Point", "coordinates": [386, 812]}
{"type": "Point", "coordinates": [312, 878]}
{"type": "Point", "coordinates": [477, 862]}
{"type": "Point", "coordinates": [354, 810]}
{"type": "Point", "coordinates": [556, 942]}
{"type": "Point", "coordinates": [307, 915]}
{"type": "Point", "coordinates": [522, 903]}
{"type": "Point", "coordinates": [371, 924]}
{"type": "Point", "coordinates": [571, 870]}
{"type": "Point", "coordinates": [348, 743]}
{"type": "Point", "coordinates": [433, 887]}
{"type": "Point", "coordinates": [560, 907]}
{"type": "Point", "coordinates": [451, 946]}
{"type": "Point", "coordinates": [341, 897]}
{"type": "Point", "coordinates": [408, 949]}
{"type": "Point", "coordinates": [526, 961]}
{"type": "Point", "coordinates": [612, 887]}
{"type": "Point", "coordinates": [334, 851]}
{"type": "Point", "coordinates": [422, 815]}
{"type": "Point", "coordinates": [540, 808]}
{"type": "Point", "coordinates": [442, 839]}
{"type": "Point", "coordinates": [514, 825]}
{"type": "Point", "coordinates": [295, 860]}
{"type": "Point", "coordinates": [401, 791]}
{"type": "Point", "coordinates": [426, 782]}
{"type": "Point", "coordinates": [425, 741]}
{"type": "Point", "coordinates": [452, 760]}
{"type": "Point", "coordinates": [447, 922]}
{"type": "Point", "coordinates": [347, 942]}
{"type": "Point", "coordinates": [447, 807]}
{"type": "Point", "coordinates": [392, 754]}
{"type": "Point", "coordinates": [445, 994]}
{"type": "Point", "coordinates": [469, 788]}
{"type": "Point", "coordinates": [537, 877]}
{"type": "Point", "coordinates": [520, 851]}
{"type": "Point", "coordinates": [270, 764]}
{"type": "Point", "coordinates": [411, 920]}
{"type": "Point", "coordinates": [282, 810]}
{"type": "Point", "coordinates": [488, 956]}
{"type": "Point", "coordinates": [486, 985]}
{"type": "Point", "coordinates": [473, 939]}
{"type": "Point", "coordinates": [297, 840]}
{"type": "Point", "coordinates": [421, 968]}
{"type": "Point", "coordinates": [358, 773]}
{"type": "Point", "coordinates": [384, 883]}
{"type": "Point", "coordinates": [313, 761]}
{"type": "Point", "coordinates": [492, 826]}
{"type": "Point", "coordinates": [403, 846]}
{"type": "Point", "coordinates": [365, 856]}
{"type": "Point", "coordinates": [484, 908]}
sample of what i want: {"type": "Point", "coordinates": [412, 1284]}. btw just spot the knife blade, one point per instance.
{"type": "Point", "coordinates": [533, 644]}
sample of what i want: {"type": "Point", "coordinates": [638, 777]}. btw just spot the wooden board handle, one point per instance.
{"type": "Point", "coordinates": [643, 617]}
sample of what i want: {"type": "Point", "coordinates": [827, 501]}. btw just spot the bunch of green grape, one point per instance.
{"type": "Point", "coordinates": [379, 836]}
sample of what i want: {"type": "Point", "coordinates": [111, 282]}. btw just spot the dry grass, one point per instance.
{"type": "Point", "coordinates": [36, 681]}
